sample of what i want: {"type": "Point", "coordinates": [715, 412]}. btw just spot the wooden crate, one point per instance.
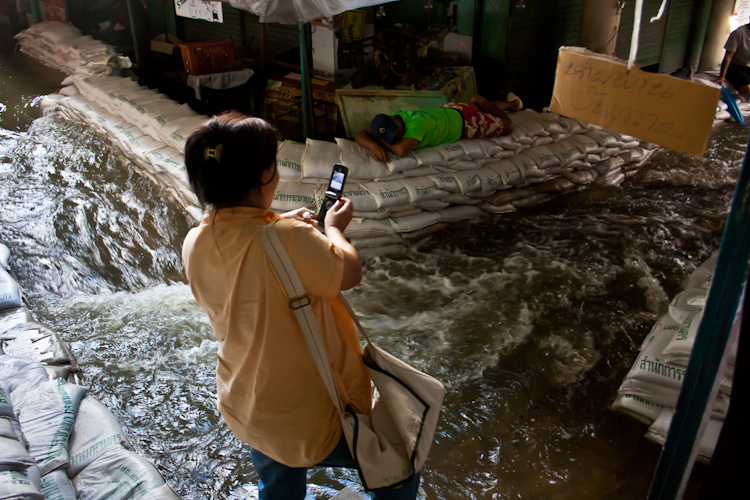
{"type": "Point", "coordinates": [208, 56]}
{"type": "Point", "coordinates": [284, 103]}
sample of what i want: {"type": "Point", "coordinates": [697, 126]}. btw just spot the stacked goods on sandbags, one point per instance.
{"type": "Point", "coordinates": [55, 440]}
{"type": "Point", "coordinates": [395, 202]}
{"type": "Point", "coordinates": [650, 390]}
{"type": "Point", "coordinates": [61, 46]}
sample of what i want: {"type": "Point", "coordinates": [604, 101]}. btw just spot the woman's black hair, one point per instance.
{"type": "Point", "coordinates": [227, 155]}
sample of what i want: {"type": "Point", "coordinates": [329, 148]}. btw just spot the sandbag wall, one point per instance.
{"type": "Point", "coordinates": [650, 390]}
{"type": "Point", "coordinates": [61, 46]}
{"type": "Point", "coordinates": [56, 441]}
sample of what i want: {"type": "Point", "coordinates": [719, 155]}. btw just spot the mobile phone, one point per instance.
{"type": "Point", "coordinates": [333, 191]}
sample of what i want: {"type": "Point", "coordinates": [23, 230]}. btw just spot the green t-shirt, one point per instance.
{"type": "Point", "coordinates": [433, 126]}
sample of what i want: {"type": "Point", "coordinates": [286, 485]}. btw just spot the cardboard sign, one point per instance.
{"type": "Point", "coordinates": [673, 113]}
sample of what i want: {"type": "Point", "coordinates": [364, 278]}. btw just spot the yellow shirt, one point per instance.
{"type": "Point", "coordinates": [269, 390]}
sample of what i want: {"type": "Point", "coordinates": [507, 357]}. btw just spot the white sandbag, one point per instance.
{"type": "Point", "coordinates": [586, 144]}
{"type": "Point", "coordinates": [497, 209]}
{"type": "Point", "coordinates": [424, 232]}
{"type": "Point", "coordinates": [576, 126]}
{"type": "Point", "coordinates": [362, 166]}
{"type": "Point", "coordinates": [378, 241]}
{"type": "Point", "coordinates": [95, 430]}
{"type": "Point", "coordinates": [69, 90]}
{"type": "Point", "coordinates": [127, 476]}
{"type": "Point", "coordinates": [605, 138]}
{"type": "Point", "coordinates": [176, 133]}
{"type": "Point", "coordinates": [475, 148]}
{"type": "Point", "coordinates": [528, 167]}
{"type": "Point", "coordinates": [543, 156]}
{"type": "Point", "coordinates": [529, 126]}
{"type": "Point", "coordinates": [429, 156]}
{"type": "Point", "coordinates": [367, 228]}
{"type": "Point", "coordinates": [13, 455]}
{"type": "Point", "coordinates": [509, 142]}
{"type": "Point", "coordinates": [461, 164]}
{"type": "Point", "coordinates": [56, 485]}
{"type": "Point", "coordinates": [414, 222]}
{"type": "Point", "coordinates": [561, 137]}
{"type": "Point", "coordinates": [686, 302]}
{"type": "Point", "coordinates": [388, 193]}
{"type": "Point", "coordinates": [423, 189]}
{"type": "Point", "coordinates": [46, 412]}
{"type": "Point", "coordinates": [490, 179]}
{"type": "Point", "coordinates": [398, 164]}
{"type": "Point", "coordinates": [167, 160]}
{"type": "Point", "coordinates": [450, 151]}
{"type": "Point", "coordinates": [360, 197]}
{"type": "Point", "coordinates": [289, 160]}
{"type": "Point", "coordinates": [541, 141]}
{"type": "Point", "coordinates": [7, 430]}
{"type": "Point", "coordinates": [701, 276]}
{"type": "Point", "coordinates": [611, 178]}
{"type": "Point", "coordinates": [17, 371]}
{"type": "Point", "coordinates": [422, 171]}
{"type": "Point", "coordinates": [461, 199]}
{"type": "Point", "coordinates": [318, 160]}
{"type": "Point", "coordinates": [433, 205]}
{"type": "Point", "coordinates": [658, 431]}
{"type": "Point", "coordinates": [510, 173]}
{"type": "Point", "coordinates": [610, 164]}
{"type": "Point", "coordinates": [462, 212]}
{"type": "Point", "coordinates": [6, 409]}
{"type": "Point", "coordinates": [33, 340]}
{"type": "Point", "coordinates": [293, 195]}
{"type": "Point", "coordinates": [510, 195]}
{"type": "Point", "coordinates": [56, 32]}
{"type": "Point", "coordinates": [404, 211]}
{"type": "Point", "coordinates": [680, 346]}
{"type": "Point", "coordinates": [615, 150]}
{"type": "Point", "coordinates": [468, 181]}
{"type": "Point", "coordinates": [10, 293]}
{"type": "Point", "coordinates": [16, 484]}
{"type": "Point", "coordinates": [520, 137]}
{"type": "Point", "coordinates": [637, 407]}
{"type": "Point", "coordinates": [552, 122]}
{"type": "Point", "coordinates": [567, 152]}
{"type": "Point", "coordinates": [446, 182]}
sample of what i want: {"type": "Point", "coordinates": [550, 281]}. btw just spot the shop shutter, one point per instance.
{"type": "Point", "coordinates": [651, 37]}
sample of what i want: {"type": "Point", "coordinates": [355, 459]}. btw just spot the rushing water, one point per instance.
{"type": "Point", "coordinates": [531, 320]}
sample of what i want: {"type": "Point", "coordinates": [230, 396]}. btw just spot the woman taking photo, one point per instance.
{"type": "Point", "coordinates": [269, 390]}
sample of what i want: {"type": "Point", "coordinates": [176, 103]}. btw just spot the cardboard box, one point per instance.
{"type": "Point", "coordinates": [165, 43]}
{"type": "Point", "coordinates": [668, 111]}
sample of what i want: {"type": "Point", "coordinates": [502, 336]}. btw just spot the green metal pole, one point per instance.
{"type": "Point", "coordinates": [35, 12]}
{"type": "Point", "coordinates": [67, 11]}
{"type": "Point", "coordinates": [308, 118]}
{"type": "Point", "coordinates": [133, 33]}
{"type": "Point", "coordinates": [680, 448]}
{"type": "Point", "coordinates": [698, 28]}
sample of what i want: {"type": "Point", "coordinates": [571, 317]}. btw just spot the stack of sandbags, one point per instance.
{"type": "Point", "coordinates": [56, 441]}
{"type": "Point", "coordinates": [61, 46]}
{"type": "Point", "coordinates": [650, 390]}
{"type": "Point", "coordinates": [395, 202]}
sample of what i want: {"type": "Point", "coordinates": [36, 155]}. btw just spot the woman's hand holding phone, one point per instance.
{"type": "Point", "coordinates": [303, 215]}
{"type": "Point", "coordinates": [340, 214]}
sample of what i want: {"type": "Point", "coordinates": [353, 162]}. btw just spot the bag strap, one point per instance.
{"type": "Point", "coordinates": [299, 302]}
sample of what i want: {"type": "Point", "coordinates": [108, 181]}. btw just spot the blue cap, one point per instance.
{"type": "Point", "coordinates": [384, 127]}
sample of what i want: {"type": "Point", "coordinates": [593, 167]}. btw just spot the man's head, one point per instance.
{"type": "Point", "coordinates": [388, 128]}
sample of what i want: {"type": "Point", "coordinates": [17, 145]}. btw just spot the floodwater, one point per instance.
{"type": "Point", "coordinates": [531, 320]}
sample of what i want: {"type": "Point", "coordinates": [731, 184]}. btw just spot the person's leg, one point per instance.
{"type": "Point", "coordinates": [277, 481]}
{"type": "Point", "coordinates": [496, 108]}
{"type": "Point", "coordinates": [739, 77]}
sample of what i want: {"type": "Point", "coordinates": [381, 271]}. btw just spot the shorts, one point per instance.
{"type": "Point", "coordinates": [477, 123]}
{"type": "Point", "coordinates": [738, 75]}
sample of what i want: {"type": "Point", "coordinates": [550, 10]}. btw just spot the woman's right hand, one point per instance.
{"type": "Point", "coordinates": [340, 214]}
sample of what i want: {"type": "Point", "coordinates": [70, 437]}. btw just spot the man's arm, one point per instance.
{"type": "Point", "coordinates": [724, 66]}
{"type": "Point", "coordinates": [365, 139]}
{"type": "Point", "coordinates": [380, 148]}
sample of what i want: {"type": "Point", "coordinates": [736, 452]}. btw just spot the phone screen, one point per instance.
{"type": "Point", "coordinates": [333, 192]}
{"type": "Point", "coordinates": [337, 180]}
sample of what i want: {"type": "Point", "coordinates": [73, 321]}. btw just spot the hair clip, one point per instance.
{"type": "Point", "coordinates": [214, 153]}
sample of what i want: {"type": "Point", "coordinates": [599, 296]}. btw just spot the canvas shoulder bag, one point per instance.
{"type": "Point", "coordinates": [390, 444]}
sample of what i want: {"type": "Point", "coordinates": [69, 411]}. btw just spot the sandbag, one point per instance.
{"type": "Point", "coordinates": [10, 293]}
{"type": "Point", "coordinates": [509, 172]}
{"type": "Point", "coordinates": [56, 485]}
{"type": "Point", "coordinates": [686, 302]}
{"type": "Point", "coordinates": [528, 167]}
{"type": "Point", "coordinates": [657, 433]}
{"type": "Point", "coordinates": [475, 148]}
{"type": "Point", "coordinates": [446, 182]}
{"type": "Point", "coordinates": [34, 341]}
{"type": "Point", "coordinates": [529, 126]}
{"type": "Point", "coordinates": [46, 412]}
{"type": "Point", "coordinates": [543, 156]}
{"type": "Point", "coordinates": [17, 485]}
{"type": "Point", "coordinates": [414, 222]}
{"type": "Point", "coordinates": [360, 197]}
{"type": "Point", "coordinates": [387, 193]}
{"type": "Point", "coordinates": [95, 430]}
{"type": "Point", "coordinates": [423, 189]}
{"type": "Point", "coordinates": [18, 371]}
{"type": "Point", "coordinates": [398, 164]}
{"type": "Point", "coordinates": [127, 476]}
{"type": "Point", "coordinates": [289, 160]}
{"type": "Point", "coordinates": [362, 166]}
{"type": "Point", "coordinates": [318, 160]}
{"type": "Point", "coordinates": [638, 407]}
{"type": "Point", "coordinates": [293, 195]}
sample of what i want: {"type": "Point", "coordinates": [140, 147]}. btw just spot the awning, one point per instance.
{"type": "Point", "coordinates": [299, 11]}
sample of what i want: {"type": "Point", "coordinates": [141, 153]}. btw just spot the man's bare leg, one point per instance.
{"type": "Point", "coordinates": [497, 108]}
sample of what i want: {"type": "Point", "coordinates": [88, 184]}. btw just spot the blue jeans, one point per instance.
{"type": "Point", "coordinates": [278, 482]}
